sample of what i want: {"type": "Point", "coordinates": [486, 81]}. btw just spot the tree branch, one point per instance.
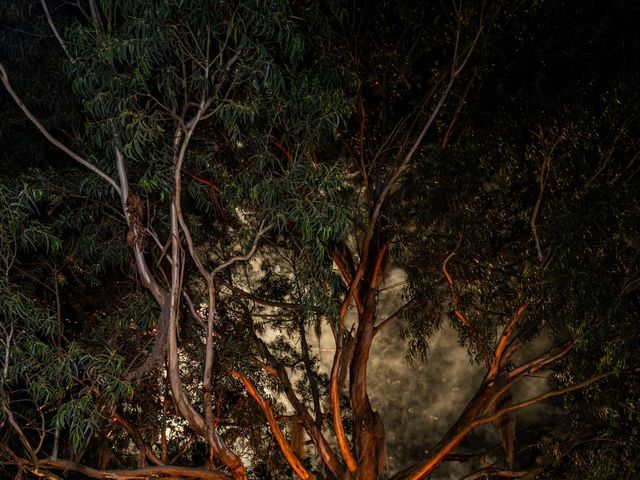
{"type": "Point", "coordinates": [247, 256]}
{"type": "Point", "coordinates": [166, 470]}
{"type": "Point", "coordinates": [334, 402]}
{"type": "Point", "coordinates": [460, 431]}
{"type": "Point", "coordinates": [507, 332]}
{"type": "Point", "coordinates": [393, 317]}
{"type": "Point", "coordinates": [4, 77]}
{"type": "Point", "coordinates": [137, 438]}
{"type": "Point", "coordinates": [55, 31]}
{"type": "Point", "coordinates": [315, 432]}
{"type": "Point", "coordinates": [287, 451]}
{"type": "Point", "coordinates": [493, 472]}
{"type": "Point", "coordinates": [21, 436]}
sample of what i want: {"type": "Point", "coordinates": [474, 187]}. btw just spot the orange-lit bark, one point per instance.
{"type": "Point", "coordinates": [368, 432]}
{"type": "Point", "coordinates": [507, 332]}
{"type": "Point", "coordinates": [287, 451]}
{"type": "Point", "coordinates": [347, 278]}
{"type": "Point", "coordinates": [285, 151]}
{"type": "Point", "coordinates": [334, 403]}
{"type": "Point", "coordinates": [147, 472]}
{"type": "Point", "coordinates": [474, 414]}
{"type": "Point", "coordinates": [375, 277]}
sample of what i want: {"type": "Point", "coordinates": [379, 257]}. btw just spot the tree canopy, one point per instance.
{"type": "Point", "coordinates": [198, 195]}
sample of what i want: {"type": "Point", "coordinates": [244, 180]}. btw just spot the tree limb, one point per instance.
{"type": "Point", "coordinates": [55, 31]}
{"type": "Point", "coordinates": [287, 451]}
{"type": "Point", "coordinates": [146, 472]}
{"type": "Point", "coordinates": [4, 77]}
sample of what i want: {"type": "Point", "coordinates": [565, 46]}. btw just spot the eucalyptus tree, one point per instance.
{"type": "Point", "coordinates": [261, 164]}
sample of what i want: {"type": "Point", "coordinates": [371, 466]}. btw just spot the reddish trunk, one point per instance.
{"type": "Point", "coordinates": [368, 430]}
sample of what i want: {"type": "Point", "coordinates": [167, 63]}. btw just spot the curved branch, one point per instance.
{"type": "Point", "coordinates": [538, 399]}
{"type": "Point", "coordinates": [247, 256]}
{"type": "Point", "coordinates": [169, 471]}
{"type": "Point", "coordinates": [315, 432]}
{"type": "Point", "coordinates": [137, 438]}
{"type": "Point", "coordinates": [256, 299]}
{"type": "Point", "coordinates": [393, 317]}
{"type": "Point", "coordinates": [507, 332]}
{"type": "Point", "coordinates": [4, 77]}
{"type": "Point", "coordinates": [492, 472]}
{"type": "Point", "coordinates": [334, 402]}
{"type": "Point", "coordinates": [182, 402]}
{"type": "Point", "coordinates": [141, 264]}
{"type": "Point", "coordinates": [287, 451]}
{"type": "Point", "coordinates": [21, 436]}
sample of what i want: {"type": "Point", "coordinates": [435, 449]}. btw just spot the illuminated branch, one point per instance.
{"type": "Point", "coordinates": [259, 300]}
{"type": "Point", "coordinates": [287, 451]}
{"type": "Point", "coordinates": [247, 256]}
{"type": "Point", "coordinates": [393, 317]}
{"type": "Point", "coordinates": [21, 436]}
{"type": "Point", "coordinates": [181, 401]}
{"type": "Point", "coordinates": [375, 277]}
{"type": "Point", "coordinates": [456, 435]}
{"type": "Point", "coordinates": [313, 429]}
{"type": "Point", "coordinates": [538, 399]}
{"type": "Point", "coordinates": [492, 472]}
{"type": "Point", "coordinates": [141, 473]}
{"type": "Point", "coordinates": [507, 332]}
{"type": "Point", "coordinates": [334, 401]}
{"type": "Point", "coordinates": [346, 276]}
{"type": "Point", "coordinates": [540, 362]}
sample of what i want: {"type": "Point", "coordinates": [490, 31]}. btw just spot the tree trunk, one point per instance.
{"type": "Point", "coordinates": [368, 430]}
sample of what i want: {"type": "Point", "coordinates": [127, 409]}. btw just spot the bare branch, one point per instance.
{"type": "Point", "coordinates": [315, 432]}
{"type": "Point", "coordinates": [148, 279]}
{"type": "Point", "coordinates": [166, 470]}
{"type": "Point", "coordinates": [507, 332]}
{"type": "Point", "coordinates": [247, 256]}
{"type": "Point", "coordinates": [538, 399]}
{"type": "Point", "coordinates": [21, 436]}
{"type": "Point", "coordinates": [460, 431]}
{"type": "Point", "coordinates": [544, 175]}
{"type": "Point", "coordinates": [334, 401]}
{"type": "Point", "coordinates": [393, 317]}
{"type": "Point", "coordinates": [259, 300]}
{"type": "Point", "coordinates": [540, 362]}
{"type": "Point", "coordinates": [4, 77]}
{"type": "Point", "coordinates": [346, 276]}
{"type": "Point", "coordinates": [137, 438]}
{"type": "Point", "coordinates": [287, 451]}
{"type": "Point", "coordinates": [55, 31]}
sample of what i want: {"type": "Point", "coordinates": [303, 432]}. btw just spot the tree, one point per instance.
{"type": "Point", "coordinates": [262, 164]}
